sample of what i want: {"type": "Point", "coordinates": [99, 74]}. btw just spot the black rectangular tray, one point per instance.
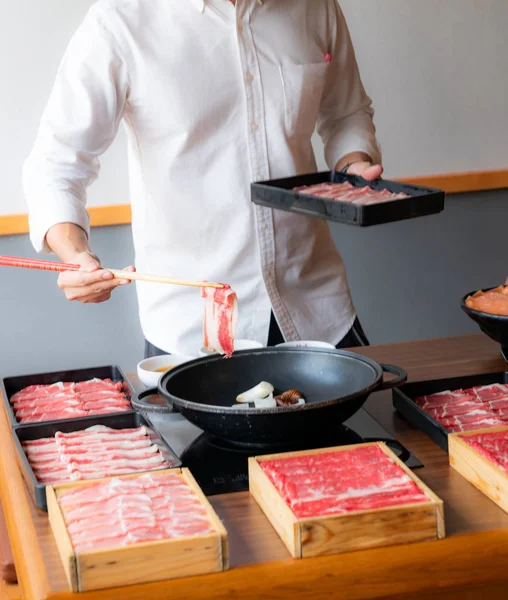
{"type": "Point", "coordinates": [42, 430]}
{"type": "Point", "coordinates": [279, 194]}
{"type": "Point", "coordinates": [403, 400]}
{"type": "Point", "coordinates": [11, 385]}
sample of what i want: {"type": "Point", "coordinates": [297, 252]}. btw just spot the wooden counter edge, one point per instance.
{"type": "Point", "coordinates": [24, 543]}
{"type": "Point", "coordinates": [406, 571]}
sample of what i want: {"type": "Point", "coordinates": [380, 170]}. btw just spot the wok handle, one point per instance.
{"type": "Point", "coordinates": [396, 381]}
{"type": "Point", "coordinates": [140, 402]}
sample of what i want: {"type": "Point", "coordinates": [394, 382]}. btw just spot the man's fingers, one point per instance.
{"type": "Point", "coordinates": [373, 172]}
{"type": "Point", "coordinates": [127, 281]}
{"type": "Point", "coordinates": [97, 299]}
{"type": "Point", "coordinates": [366, 170]}
{"type": "Point", "coordinates": [91, 284]}
{"type": "Point", "coordinates": [82, 292]}
{"type": "Point", "coordinates": [87, 261]}
{"type": "Point", "coordinates": [83, 279]}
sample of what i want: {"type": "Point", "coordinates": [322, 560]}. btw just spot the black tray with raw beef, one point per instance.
{"type": "Point", "coordinates": [347, 198]}
{"type": "Point", "coordinates": [450, 405]}
{"type": "Point", "coordinates": [66, 451]}
{"type": "Point", "coordinates": [63, 395]}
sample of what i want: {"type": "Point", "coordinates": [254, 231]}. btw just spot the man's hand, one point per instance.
{"type": "Point", "coordinates": [366, 170]}
{"type": "Point", "coordinates": [91, 284]}
{"type": "Point", "coordinates": [361, 165]}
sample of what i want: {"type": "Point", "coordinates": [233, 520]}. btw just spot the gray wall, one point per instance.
{"type": "Point", "coordinates": [407, 279]}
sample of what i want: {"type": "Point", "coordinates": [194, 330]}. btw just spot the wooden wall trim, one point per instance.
{"type": "Point", "coordinates": [453, 183]}
{"type": "Point", "coordinates": [100, 216]}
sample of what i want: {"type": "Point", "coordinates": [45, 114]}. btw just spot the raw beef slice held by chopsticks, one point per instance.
{"type": "Point", "coordinates": [220, 320]}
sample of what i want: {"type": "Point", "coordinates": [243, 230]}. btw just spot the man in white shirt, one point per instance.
{"type": "Point", "coordinates": [213, 96]}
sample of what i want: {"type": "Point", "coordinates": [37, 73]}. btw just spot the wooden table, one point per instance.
{"type": "Point", "coordinates": [471, 562]}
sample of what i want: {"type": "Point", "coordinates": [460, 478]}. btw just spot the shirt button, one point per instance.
{"type": "Point", "coordinates": [249, 77]}
{"type": "Point", "coordinates": [254, 127]}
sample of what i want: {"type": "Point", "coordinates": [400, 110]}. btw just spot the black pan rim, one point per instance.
{"type": "Point", "coordinates": [207, 408]}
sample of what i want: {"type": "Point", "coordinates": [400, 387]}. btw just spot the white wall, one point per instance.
{"type": "Point", "coordinates": [436, 69]}
{"type": "Point", "coordinates": [33, 38]}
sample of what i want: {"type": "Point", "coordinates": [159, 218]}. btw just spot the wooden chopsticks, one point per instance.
{"type": "Point", "coordinates": [48, 265]}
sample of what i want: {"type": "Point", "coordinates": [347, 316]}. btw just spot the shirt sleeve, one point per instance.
{"type": "Point", "coordinates": [345, 121]}
{"type": "Point", "coordinates": [79, 123]}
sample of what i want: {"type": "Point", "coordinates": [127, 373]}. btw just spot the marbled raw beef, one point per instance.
{"type": "Point", "coordinates": [342, 481]}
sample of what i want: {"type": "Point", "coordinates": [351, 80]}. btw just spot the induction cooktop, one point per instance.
{"type": "Point", "coordinates": [220, 467]}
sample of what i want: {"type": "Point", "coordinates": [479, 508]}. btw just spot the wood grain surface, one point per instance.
{"type": "Point", "coordinates": [469, 563]}
{"type": "Point", "coordinates": [9, 591]}
{"type": "Point", "coordinates": [484, 474]}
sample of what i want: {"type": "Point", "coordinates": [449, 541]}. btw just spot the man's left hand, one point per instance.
{"type": "Point", "coordinates": [360, 164]}
{"type": "Point", "coordinates": [366, 170]}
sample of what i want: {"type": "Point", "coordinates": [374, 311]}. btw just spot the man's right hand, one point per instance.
{"type": "Point", "coordinates": [91, 284]}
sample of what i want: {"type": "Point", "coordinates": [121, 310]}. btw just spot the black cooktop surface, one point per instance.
{"type": "Point", "coordinates": [220, 467]}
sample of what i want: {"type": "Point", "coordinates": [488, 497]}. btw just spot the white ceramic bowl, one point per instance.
{"type": "Point", "coordinates": [147, 369]}
{"type": "Point", "coordinates": [306, 344]}
{"type": "Point", "coordinates": [239, 345]}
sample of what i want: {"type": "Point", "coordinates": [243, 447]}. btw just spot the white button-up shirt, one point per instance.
{"type": "Point", "coordinates": [213, 96]}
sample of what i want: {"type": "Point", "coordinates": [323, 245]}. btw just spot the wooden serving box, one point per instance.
{"type": "Point", "coordinates": [358, 530]}
{"type": "Point", "coordinates": [139, 563]}
{"type": "Point", "coordinates": [478, 470]}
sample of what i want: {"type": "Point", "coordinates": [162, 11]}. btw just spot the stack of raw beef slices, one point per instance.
{"type": "Point", "coordinates": [470, 409]}
{"type": "Point", "coordinates": [339, 482]}
{"type": "Point", "coordinates": [346, 192]}
{"type": "Point", "coordinates": [68, 400]}
{"type": "Point", "coordinates": [493, 446]}
{"type": "Point", "coordinates": [93, 453]}
{"type": "Point", "coordinates": [120, 512]}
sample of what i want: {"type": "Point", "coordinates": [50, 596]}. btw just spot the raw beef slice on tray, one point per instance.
{"type": "Point", "coordinates": [68, 400]}
{"type": "Point", "coordinates": [488, 392]}
{"type": "Point", "coordinates": [93, 453]}
{"type": "Point", "coordinates": [493, 446]}
{"type": "Point", "coordinates": [346, 192]}
{"type": "Point", "coordinates": [121, 512]}
{"type": "Point", "coordinates": [465, 410]}
{"type": "Point", "coordinates": [341, 481]}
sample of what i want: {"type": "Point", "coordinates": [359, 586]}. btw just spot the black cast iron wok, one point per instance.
{"type": "Point", "coordinates": [335, 384]}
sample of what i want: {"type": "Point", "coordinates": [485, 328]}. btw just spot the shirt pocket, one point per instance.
{"type": "Point", "coordinates": [303, 87]}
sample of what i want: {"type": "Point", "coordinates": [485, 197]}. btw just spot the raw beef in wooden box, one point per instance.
{"type": "Point", "coordinates": [481, 457]}
{"type": "Point", "coordinates": [341, 499]}
{"type": "Point", "coordinates": [135, 529]}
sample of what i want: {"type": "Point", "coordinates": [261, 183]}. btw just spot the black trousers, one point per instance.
{"type": "Point", "coordinates": [353, 339]}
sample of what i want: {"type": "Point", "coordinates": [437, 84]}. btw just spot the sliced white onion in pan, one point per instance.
{"type": "Point", "coordinates": [268, 402]}
{"type": "Point", "coordinates": [259, 392]}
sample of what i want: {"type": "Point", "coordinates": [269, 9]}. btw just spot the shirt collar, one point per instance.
{"type": "Point", "coordinates": [200, 4]}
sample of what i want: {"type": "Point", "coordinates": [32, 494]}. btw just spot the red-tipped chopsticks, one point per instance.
{"type": "Point", "coordinates": [48, 265]}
